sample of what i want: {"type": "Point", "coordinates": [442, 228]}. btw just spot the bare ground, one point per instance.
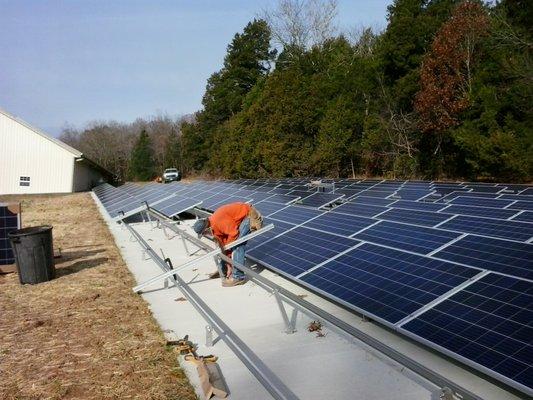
{"type": "Point", "coordinates": [84, 335]}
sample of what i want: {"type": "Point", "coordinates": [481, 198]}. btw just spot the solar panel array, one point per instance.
{"type": "Point", "coordinates": [448, 264]}
{"type": "Point", "coordinates": [9, 222]}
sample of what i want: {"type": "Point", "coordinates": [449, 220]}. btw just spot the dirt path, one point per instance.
{"type": "Point", "coordinates": [84, 335]}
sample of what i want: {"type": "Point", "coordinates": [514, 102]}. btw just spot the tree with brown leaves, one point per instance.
{"type": "Point", "coordinates": [446, 74]}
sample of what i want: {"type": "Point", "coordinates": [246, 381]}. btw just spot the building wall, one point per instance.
{"type": "Point", "coordinates": [85, 177]}
{"type": "Point", "coordinates": [26, 154]}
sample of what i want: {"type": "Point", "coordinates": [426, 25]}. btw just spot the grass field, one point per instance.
{"type": "Point", "coordinates": [84, 335]}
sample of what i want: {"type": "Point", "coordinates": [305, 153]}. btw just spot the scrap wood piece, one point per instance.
{"type": "Point", "coordinates": [211, 379]}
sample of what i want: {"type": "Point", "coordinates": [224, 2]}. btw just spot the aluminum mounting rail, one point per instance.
{"type": "Point", "coordinates": [211, 254]}
{"type": "Point", "coordinates": [263, 374]}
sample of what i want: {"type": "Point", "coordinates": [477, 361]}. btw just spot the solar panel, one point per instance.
{"type": "Point", "coordinates": [295, 215]}
{"type": "Point", "coordinates": [416, 205]}
{"type": "Point", "coordinates": [456, 193]}
{"type": "Point", "coordinates": [498, 255]}
{"type": "Point", "coordinates": [376, 201]}
{"type": "Point", "coordinates": [266, 207]}
{"type": "Point", "coordinates": [488, 212]}
{"type": "Point", "coordinates": [412, 194]}
{"type": "Point", "coordinates": [282, 198]}
{"type": "Point", "coordinates": [480, 202]}
{"type": "Point", "coordinates": [525, 216]}
{"type": "Point", "coordinates": [340, 224]}
{"type": "Point", "coordinates": [406, 237]}
{"type": "Point", "coordinates": [521, 205]}
{"type": "Point", "coordinates": [279, 228]}
{"type": "Point", "coordinates": [298, 250]}
{"type": "Point", "coordinates": [175, 206]}
{"type": "Point", "coordinates": [214, 202]}
{"type": "Point", "coordinates": [515, 197]}
{"type": "Point", "coordinates": [527, 192]}
{"type": "Point", "coordinates": [364, 210]}
{"type": "Point", "coordinates": [488, 323]}
{"type": "Point", "coordinates": [415, 217]}
{"type": "Point", "coordinates": [9, 221]}
{"type": "Point", "coordinates": [514, 230]}
{"type": "Point", "coordinates": [385, 283]}
{"type": "Point", "coordinates": [318, 200]}
{"type": "Point", "coordinates": [378, 192]}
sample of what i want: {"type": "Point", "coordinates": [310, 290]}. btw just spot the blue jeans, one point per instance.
{"type": "Point", "coordinates": [238, 253]}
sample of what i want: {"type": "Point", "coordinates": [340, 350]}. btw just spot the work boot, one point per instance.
{"type": "Point", "coordinates": [229, 282]}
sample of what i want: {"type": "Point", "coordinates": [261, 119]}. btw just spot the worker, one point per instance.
{"type": "Point", "coordinates": [228, 223]}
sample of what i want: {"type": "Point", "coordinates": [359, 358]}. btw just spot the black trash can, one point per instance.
{"type": "Point", "coordinates": [34, 253]}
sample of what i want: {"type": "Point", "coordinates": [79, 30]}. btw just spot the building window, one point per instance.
{"type": "Point", "coordinates": [24, 181]}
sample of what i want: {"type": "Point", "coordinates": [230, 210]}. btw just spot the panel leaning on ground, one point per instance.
{"type": "Point", "coordinates": [398, 263]}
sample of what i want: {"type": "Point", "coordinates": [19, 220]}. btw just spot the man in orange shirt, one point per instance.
{"type": "Point", "coordinates": [228, 223]}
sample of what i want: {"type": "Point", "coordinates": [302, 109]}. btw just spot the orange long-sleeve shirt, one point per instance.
{"type": "Point", "coordinates": [225, 221]}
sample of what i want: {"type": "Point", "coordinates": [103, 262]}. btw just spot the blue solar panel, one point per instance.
{"type": "Point", "coordinates": [525, 216]}
{"type": "Point", "coordinates": [364, 210]}
{"type": "Point", "coordinates": [488, 212]}
{"type": "Point", "coordinates": [412, 194]}
{"type": "Point", "coordinates": [480, 202]}
{"type": "Point", "coordinates": [374, 192]}
{"type": "Point", "coordinates": [375, 201]}
{"type": "Point", "coordinates": [318, 200]}
{"type": "Point", "coordinates": [515, 197]}
{"type": "Point", "coordinates": [340, 224]}
{"type": "Point", "coordinates": [416, 205]}
{"type": "Point", "coordinates": [279, 228]}
{"type": "Point", "coordinates": [175, 205]}
{"type": "Point", "coordinates": [406, 237]}
{"type": "Point", "coordinates": [295, 215]}
{"type": "Point", "coordinates": [522, 205]}
{"type": "Point", "coordinates": [527, 192]}
{"type": "Point", "coordinates": [416, 217]}
{"type": "Point", "coordinates": [489, 323]}
{"type": "Point", "coordinates": [218, 200]}
{"type": "Point", "coordinates": [386, 283]}
{"type": "Point", "coordinates": [298, 250]}
{"type": "Point", "coordinates": [456, 193]}
{"type": "Point", "coordinates": [498, 255]}
{"type": "Point", "coordinates": [515, 230]}
{"type": "Point", "coordinates": [282, 198]}
{"type": "Point", "coordinates": [266, 207]}
{"type": "Point", "coordinates": [9, 222]}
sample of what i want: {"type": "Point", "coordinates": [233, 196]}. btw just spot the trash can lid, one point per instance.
{"type": "Point", "coordinates": [32, 230]}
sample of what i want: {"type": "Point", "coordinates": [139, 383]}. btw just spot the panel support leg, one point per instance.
{"type": "Point", "coordinates": [289, 324]}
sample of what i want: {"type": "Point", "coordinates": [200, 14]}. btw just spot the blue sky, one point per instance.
{"type": "Point", "coordinates": [79, 61]}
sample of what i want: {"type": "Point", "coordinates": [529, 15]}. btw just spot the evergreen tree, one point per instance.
{"type": "Point", "coordinates": [142, 158]}
{"type": "Point", "coordinates": [246, 62]}
{"type": "Point", "coordinates": [172, 157]}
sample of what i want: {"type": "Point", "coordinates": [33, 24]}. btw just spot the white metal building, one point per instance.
{"type": "Point", "coordinates": [33, 162]}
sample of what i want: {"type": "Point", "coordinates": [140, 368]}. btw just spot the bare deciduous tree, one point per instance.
{"type": "Point", "coordinates": [302, 23]}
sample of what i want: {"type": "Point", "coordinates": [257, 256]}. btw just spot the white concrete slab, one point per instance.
{"type": "Point", "coordinates": [312, 367]}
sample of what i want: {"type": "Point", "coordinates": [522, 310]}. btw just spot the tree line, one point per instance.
{"type": "Point", "coordinates": [444, 91]}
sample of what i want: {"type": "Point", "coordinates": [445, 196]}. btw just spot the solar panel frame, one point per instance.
{"type": "Point", "coordinates": [319, 200]}
{"type": "Point", "coordinates": [363, 210]}
{"type": "Point", "coordinates": [487, 212]}
{"type": "Point", "coordinates": [382, 272]}
{"type": "Point", "coordinates": [414, 217]}
{"type": "Point", "coordinates": [487, 328]}
{"type": "Point", "coordinates": [513, 230]}
{"type": "Point", "coordinates": [416, 239]}
{"type": "Point", "coordinates": [497, 255]}
{"type": "Point", "coordinates": [299, 250]}
{"type": "Point", "coordinates": [480, 202]}
{"type": "Point", "coordinates": [10, 221]}
{"type": "Point", "coordinates": [340, 224]}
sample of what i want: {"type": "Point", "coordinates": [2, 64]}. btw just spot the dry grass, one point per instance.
{"type": "Point", "coordinates": [84, 335]}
